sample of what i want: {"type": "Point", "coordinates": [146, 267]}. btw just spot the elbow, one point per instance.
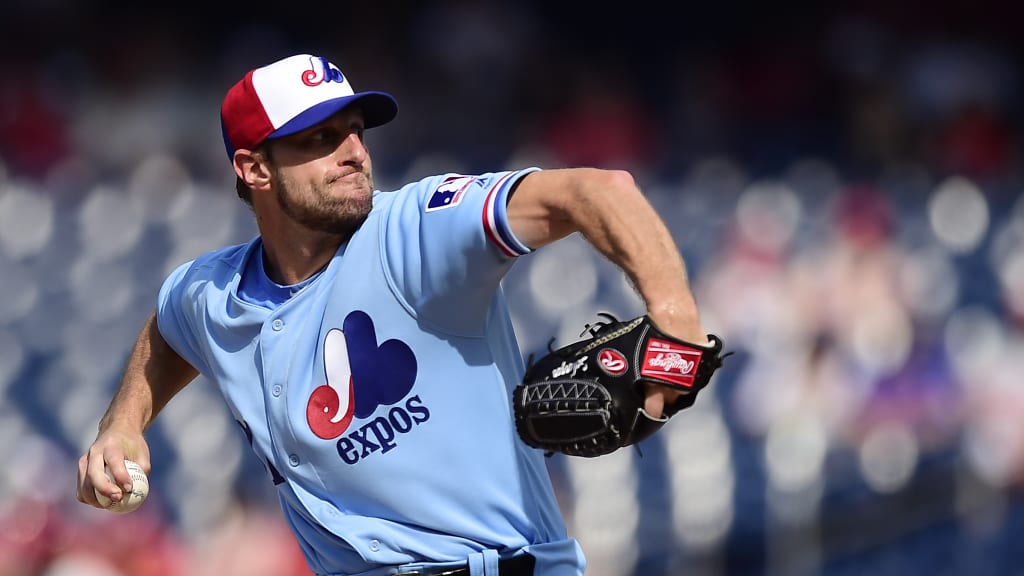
{"type": "Point", "coordinates": [621, 179]}
{"type": "Point", "coordinates": [615, 185]}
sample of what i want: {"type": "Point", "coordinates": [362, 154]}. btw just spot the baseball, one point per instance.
{"type": "Point", "coordinates": [131, 501]}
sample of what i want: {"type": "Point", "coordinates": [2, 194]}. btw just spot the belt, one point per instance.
{"type": "Point", "coordinates": [521, 565]}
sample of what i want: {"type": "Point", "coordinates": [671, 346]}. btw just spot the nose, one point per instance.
{"type": "Point", "coordinates": [352, 150]}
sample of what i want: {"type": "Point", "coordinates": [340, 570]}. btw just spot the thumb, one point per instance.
{"type": "Point", "coordinates": [654, 403]}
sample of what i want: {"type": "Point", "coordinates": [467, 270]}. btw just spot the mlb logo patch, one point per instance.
{"type": "Point", "coordinates": [449, 193]}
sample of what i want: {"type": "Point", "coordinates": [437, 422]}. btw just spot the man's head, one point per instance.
{"type": "Point", "coordinates": [288, 97]}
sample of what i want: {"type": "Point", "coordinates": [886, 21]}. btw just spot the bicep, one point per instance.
{"type": "Point", "coordinates": [537, 207]}
{"type": "Point", "coordinates": [551, 204]}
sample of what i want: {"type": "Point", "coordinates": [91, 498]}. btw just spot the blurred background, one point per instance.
{"type": "Point", "coordinates": [843, 179]}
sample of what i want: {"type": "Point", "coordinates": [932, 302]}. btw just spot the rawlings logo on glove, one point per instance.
{"type": "Point", "coordinates": [587, 398]}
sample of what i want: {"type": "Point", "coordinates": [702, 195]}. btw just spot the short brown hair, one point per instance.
{"type": "Point", "coordinates": [242, 189]}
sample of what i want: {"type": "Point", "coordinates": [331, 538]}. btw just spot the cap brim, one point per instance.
{"type": "Point", "coordinates": [378, 108]}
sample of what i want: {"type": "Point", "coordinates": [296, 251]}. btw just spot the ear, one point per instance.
{"type": "Point", "coordinates": [252, 168]}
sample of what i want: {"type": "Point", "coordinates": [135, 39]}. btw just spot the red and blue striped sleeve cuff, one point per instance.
{"type": "Point", "coordinates": [495, 216]}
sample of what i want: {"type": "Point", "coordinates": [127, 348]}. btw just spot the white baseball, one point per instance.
{"type": "Point", "coordinates": [132, 500]}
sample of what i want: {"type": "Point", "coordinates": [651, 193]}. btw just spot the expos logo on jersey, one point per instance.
{"type": "Point", "coordinates": [362, 377]}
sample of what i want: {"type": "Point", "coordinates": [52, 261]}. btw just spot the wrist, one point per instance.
{"type": "Point", "coordinates": [122, 423]}
{"type": "Point", "coordinates": [680, 320]}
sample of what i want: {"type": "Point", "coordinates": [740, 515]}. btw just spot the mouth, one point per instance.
{"type": "Point", "coordinates": [354, 177]}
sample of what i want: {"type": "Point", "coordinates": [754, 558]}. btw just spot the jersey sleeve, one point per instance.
{"type": "Point", "coordinates": [173, 322]}
{"type": "Point", "coordinates": [448, 243]}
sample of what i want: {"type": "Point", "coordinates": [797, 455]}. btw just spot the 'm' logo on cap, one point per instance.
{"type": "Point", "coordinates": [314, 77]}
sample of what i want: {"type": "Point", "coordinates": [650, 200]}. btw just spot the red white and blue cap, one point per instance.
{"type": "Point", "coordinates": [291, 95]}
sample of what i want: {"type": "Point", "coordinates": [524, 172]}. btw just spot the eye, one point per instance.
{"type": "Point", "coordinates": [323, 135]}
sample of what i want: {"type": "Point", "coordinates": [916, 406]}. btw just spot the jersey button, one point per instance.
{"type": "Point", "coordinates": [277, 325]}
{"type": "Point", "coordinates": [277, 390]}
{"type": "Point", "coordinates": [374, 545]}
{"type": "Point", "coordinates": [293, 459]}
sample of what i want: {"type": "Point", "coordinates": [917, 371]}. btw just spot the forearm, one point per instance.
{"type": "Point", "coordinates": [613, 215]}
{"type": "Point", "coordinates": [616, 218]}
{"type": "Point", "coordinates": [153, 375]}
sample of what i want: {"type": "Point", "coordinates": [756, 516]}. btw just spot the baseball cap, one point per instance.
{"type": "Point", "coordinates": [291, 95]}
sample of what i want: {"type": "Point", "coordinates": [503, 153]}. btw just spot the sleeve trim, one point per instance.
{"type": "Point", "coordinates": [495, 217]}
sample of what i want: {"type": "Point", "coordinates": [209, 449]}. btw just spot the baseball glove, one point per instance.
{"type": "Point", "coordinates": [587, 398]}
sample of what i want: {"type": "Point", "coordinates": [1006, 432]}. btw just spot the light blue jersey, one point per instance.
{"type": "Point", "coordinates": [379, 393]}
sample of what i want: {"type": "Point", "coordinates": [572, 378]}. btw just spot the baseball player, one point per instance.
{"type": "Point", "coordinates": [362, 341]}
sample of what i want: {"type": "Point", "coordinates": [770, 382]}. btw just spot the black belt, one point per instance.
{"type": "Point", "coordinates": [521, 565]}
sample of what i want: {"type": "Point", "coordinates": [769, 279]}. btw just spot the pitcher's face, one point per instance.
{"type": "Point", "coordinates": [322, 176]}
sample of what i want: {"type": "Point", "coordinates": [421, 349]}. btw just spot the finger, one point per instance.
{"type": "Point", "coordinates": [122, 478]}
{"type": "Point", "coordinates": [97, 472]}
{"type": "Point", "coordinates": [88, 486]}
{"type": "Point", "coordinates": [85, 489]}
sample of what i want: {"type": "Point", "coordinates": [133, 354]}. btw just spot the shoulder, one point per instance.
{"type": "Point", "coordinates": [446, 190]}
{"type": "Point", "coordinates": [414, 188]}
{"type": "Point", "coordinates": [223, 263]}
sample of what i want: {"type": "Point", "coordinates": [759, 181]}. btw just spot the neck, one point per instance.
{"type": "Point", "coordinates": [294, 255]}
{"type": "Point", "coordinates": [288, 265]}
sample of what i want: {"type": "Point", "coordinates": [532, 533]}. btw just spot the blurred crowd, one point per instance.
{"type": "Point", "coordinates": [844, 183]}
